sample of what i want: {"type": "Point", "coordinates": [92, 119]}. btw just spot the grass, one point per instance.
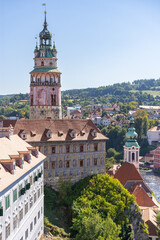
{"type": "Point", "coordinates": [151, 92]}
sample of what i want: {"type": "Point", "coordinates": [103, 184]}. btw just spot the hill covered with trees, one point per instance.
{"type": "Point", "coordinates": [129, 95]}
{"type": "Point", "coordinates": [140, 90]}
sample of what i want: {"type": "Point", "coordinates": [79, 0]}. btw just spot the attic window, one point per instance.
{"type": "Point", "coordinates": [33, 133]}
{"type": "Point", "coordinates": [73, 134]}
{"type": "Point", "coordinates": [49, 134]}
{"type": "Point", "coordinates": [94, 133]}
{"type": "Point", "coordinates": [60, 134]}
{"type": "Point", "coordinates": [23, 135]}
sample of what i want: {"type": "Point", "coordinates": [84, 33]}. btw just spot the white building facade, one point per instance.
{"type": "Point", "coordinates": [153, 135]}
{"type": "Point", "coordinates": [21, 190]}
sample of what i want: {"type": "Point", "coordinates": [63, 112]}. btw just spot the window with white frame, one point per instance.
{"type": "Point", "coordinates": [7, 200]}
{"type": "Point", "coordinates": [21, 214]}
{"type": "Point", "coordinates": [15, 219]}
{"type": "Point", "coordinates": [7, 230]}
{"type": "Point", "coordinates": [35, 221]}
{"type": "Point", "coordinates": [26, 208]}
{"type": "Point", "coordinates": [14, 195]}
{"type": "Point", "coordinates": [31, 226]}
{"type": "Point", "coordinates": [26, 234]}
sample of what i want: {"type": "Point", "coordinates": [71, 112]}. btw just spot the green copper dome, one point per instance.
{"type": "Point", "coordinates": [131, 135]}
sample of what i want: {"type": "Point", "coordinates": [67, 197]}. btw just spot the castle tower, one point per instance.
{"type": "Point", "coordinates": [45, 79]}
{"type": "Point", "coordinates": [131, 148]}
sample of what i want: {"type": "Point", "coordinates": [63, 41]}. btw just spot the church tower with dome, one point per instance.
{"type": "Point", "coordinates": [131, 147]}
{"type": "Point", "coordinates": [45, 79]}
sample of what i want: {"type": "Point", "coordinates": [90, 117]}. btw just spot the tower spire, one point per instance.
{"type": "Point", "coordinates": [131, 147]}
{"type": "Point", "coordinates": [45, 21]}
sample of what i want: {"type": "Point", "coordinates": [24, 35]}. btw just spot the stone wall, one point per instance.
{"type": "Point", "coordinates": [44, 112]}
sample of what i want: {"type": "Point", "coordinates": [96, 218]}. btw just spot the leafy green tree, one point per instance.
{"type": "Point", "coordinates": [139, 126]}
{"type": "Point", "coordinates": [111, 152]}
{"type": "Point", "coordinates": [145, 125]}
{"type": "Point", "coordinates": [102, 198]}
{"type": "Point", "coordinates": [94, 227]}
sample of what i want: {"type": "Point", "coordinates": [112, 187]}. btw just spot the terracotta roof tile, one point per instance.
{"type": "Point", "coordinates": [56, 126]}
{"type": "Point", "coordinates": [142, 197]}
{"type": "Point", "coordinates": [127, 172]}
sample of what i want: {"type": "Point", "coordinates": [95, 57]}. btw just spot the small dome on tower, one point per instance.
{"type": "Point", "coordinates": [131, 134]}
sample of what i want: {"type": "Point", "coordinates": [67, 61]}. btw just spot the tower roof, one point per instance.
{"type": "Point", "coordinates": [131, 135]}
{"type": "Point", "coordinates": [45, 33]}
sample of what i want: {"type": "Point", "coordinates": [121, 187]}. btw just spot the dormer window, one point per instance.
{"type": "Point", "coordinates": [49, 134]}
{"type": "Point", "coordinates": [60, 133]}
{"type": "Point", "coordinates": [94, 133]}
{"type": "Point", "coordinates": [23, 135]}
{"type": "Point", "coordinates": [73, 134]}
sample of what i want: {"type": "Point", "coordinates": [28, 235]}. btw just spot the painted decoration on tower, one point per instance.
{"type": "Point", "coordinates": [42, 96]}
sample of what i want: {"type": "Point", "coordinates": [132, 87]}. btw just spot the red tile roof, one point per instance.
{"type": "Point", "coordinates": [127, 172]}
{"type": "Point", "coordinates": [141, 196]}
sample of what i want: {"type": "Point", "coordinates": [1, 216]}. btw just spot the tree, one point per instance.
{"type": "Point", "coordinates": [111, 152]}
{"type": "Point", "coordinates": [145, 125]}
{"type": "Point", "coordinates": [141, 113]}
{"type": "Point", "coordinates": [139, 126]}
{"type": "Point", "coordinates": [94, 227]}
{"type": "Point", "coordinates": [158, 223]}
{"type": "Point", "coordinates": [102, 201]}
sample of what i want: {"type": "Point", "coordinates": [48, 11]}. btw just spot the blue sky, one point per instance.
{"type": "Point", "coordinates": [99, 42]}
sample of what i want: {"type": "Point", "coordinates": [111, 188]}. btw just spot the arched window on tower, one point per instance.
{"type": "Point", "coordinates": [133, 156]}
{"type": "Point", "coordinates": [42, 63]}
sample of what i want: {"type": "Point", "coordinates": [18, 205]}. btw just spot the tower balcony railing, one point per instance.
{"type": "Point", "coordinates": [45, 84]}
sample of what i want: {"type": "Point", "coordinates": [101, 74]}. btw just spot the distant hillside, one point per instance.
{"type": "Point", "coordinates": [6, 96]}
{"type": "Point", "coordinates": [142, 91]}
{"type": "Point", "coordinates": [118, 88]}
